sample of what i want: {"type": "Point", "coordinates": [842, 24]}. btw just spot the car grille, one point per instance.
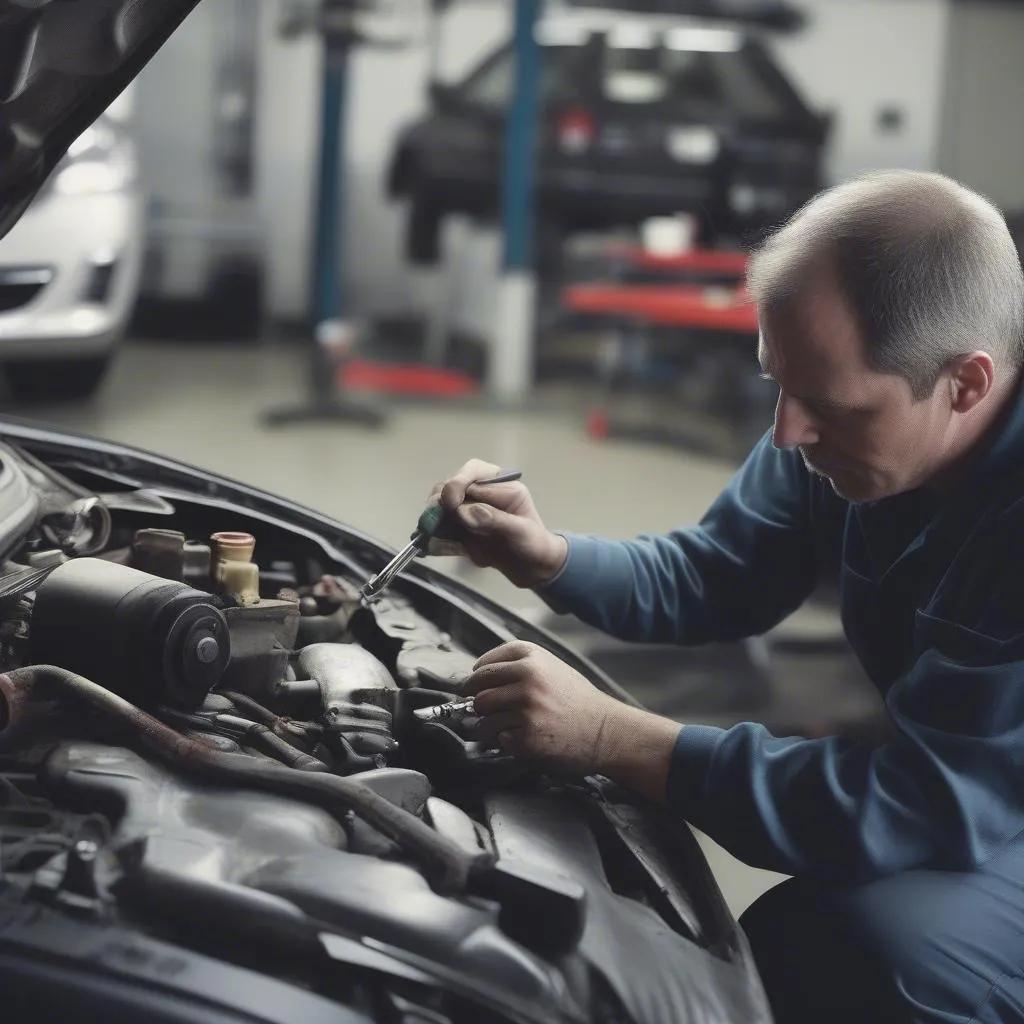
{"type": "Point", "coordinates": [20, 285]}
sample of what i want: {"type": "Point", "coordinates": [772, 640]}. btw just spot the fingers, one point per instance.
{"type": "Point", "coordinates": [504, 535]}
{"type": "Point", "coordinates": [492, 728]}
{"type": "Point", "coordinates": [444, 548]}
{"type": "Point", "coordinates": [490, 676]}
{"type": "Point", "coordinates": [513, 651]}
{"type": "Point", "coordinates": [508, 496]}
{"type": "Point", "coordinates": [500, 699]}
{"type": "Point", "coordinates": [453, 493]}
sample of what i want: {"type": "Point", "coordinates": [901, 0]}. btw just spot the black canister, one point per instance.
{"type": "Point", "coordinates": [151, 640]}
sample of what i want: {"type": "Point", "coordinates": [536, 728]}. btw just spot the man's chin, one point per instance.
{"type": "Point", "coordinates": [853, 489]}
{"type": "Point", "coordinates": [847, 485]}
{"type": "Point", "coordinates": [816, 468]}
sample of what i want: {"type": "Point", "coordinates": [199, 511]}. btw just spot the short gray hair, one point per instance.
{"type": "Point", "coordinates": [929, 268]}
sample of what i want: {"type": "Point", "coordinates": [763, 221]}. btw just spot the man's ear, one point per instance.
{"type": "Point", "coordinates": [971, 378]}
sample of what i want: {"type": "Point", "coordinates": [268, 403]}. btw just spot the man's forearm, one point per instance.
{"type": "Point", "coordinates": [635, 750]}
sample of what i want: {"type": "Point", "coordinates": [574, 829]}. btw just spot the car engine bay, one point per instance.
{"type": "Point", "coordinates": [209, 759]}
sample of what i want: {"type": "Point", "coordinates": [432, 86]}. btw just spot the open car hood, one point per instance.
{"type": "Point", "coordinates": [267, 831]}
{"type": "Point", "coordinates": [62, 63]}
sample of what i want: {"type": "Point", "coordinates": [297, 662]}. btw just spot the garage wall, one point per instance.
{"type": "Point", "coordinates": [982, 134]}
{"type": "Point", "coordinates": [859, 57]}
{"type": "Point", "coordinates": [174, 130]}
{"type": "Point", "coordinates": [387, 89]}
{"type": "Point", "coordinates": [286, 131]}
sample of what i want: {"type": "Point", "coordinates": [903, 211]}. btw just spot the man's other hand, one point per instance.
{"type": "Point", "coordinates": [534, 705]}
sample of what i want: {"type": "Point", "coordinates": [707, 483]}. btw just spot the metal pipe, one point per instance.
{"type": "Point", "coordinates": [447, 866]}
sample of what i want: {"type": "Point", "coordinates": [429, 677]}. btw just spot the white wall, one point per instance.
{"type": "Point", "coordinates": [386, 90]}
{"type": "Point", "coordinates": [287, 113]}
{"type": "Point", "coordinates": [982, 139]}
{"type": "Point", "coordinates": [859, 56]}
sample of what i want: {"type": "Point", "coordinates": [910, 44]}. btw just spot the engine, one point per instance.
{"type": "Point", "coordinates": [216, 753]}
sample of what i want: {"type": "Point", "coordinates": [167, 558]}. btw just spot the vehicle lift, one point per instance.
{"type": "Point", "coordinates": [337, 22]}
{"type": "Point", "coordinates": [510, 361]}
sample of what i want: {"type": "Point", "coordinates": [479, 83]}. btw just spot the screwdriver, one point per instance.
{"type": "Point", "coordinates": [434, 521]}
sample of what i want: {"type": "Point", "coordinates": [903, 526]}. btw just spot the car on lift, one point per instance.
{"type": "Point", "coordinates": [640, 117]}
{"type": "Point", "coordinates": [70, 268]}
{"type": "Point", "coordinates": [217, 801]}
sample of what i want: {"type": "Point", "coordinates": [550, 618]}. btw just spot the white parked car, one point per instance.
{"type": "Point", "coordinates": [70, 268]}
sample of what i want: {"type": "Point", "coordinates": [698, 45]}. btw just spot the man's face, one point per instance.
{"type": "Point", "coordinates": [861, 429]}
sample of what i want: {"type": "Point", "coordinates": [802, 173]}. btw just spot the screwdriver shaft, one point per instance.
{"type": "Point", "coordinates": [383, 579]}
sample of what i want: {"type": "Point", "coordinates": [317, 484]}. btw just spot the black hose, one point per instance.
{"type": "Point", "coordinates": [261, 737]}
{"type": "Point", "coordinates": [294, 732]}
{"type": "Point", "coordinates": [251, 707]}
{"type": "Point", "coordinates": [257, 736]}
{"type": "Point", "coordinates": [265, 740]}
{"type": "Point", "coordinates": [447, 866]}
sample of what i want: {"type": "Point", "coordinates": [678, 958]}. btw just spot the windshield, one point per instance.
{"type": "Point", "coordinates": [492, 84]}
{"type": "Point", "coordinates": [695, 84]}
{"type": "Point", "coordinates": [692, 84]}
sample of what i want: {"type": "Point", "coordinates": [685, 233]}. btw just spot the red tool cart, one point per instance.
{"type": "Point", "coordinates": [692, 301]}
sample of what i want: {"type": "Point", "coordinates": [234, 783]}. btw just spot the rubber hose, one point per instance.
{"type": "Point", "coordinates": [286, 728]}
{"type": "Point", "coordinates": [447, 866]}
{"type": "Point", "coordinates": [256, 735]}
{"type": "Point", "coordinates": [267, 742]}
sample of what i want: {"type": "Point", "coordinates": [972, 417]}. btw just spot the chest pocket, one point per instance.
{"type": "Point", "coordinates": [962, 644]}
{"type": "Point", "coordinates": [878, 624]}
{"type": "Point", "coordinates": [980, 598]}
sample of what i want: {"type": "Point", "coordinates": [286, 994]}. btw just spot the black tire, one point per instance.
{"type": "Point", "coordinates": [423, 232]}
{"type": "Point", "coordinates": [39, 380]}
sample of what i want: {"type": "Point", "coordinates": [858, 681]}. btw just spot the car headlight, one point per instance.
{"type": "Point", "coordinates": [99, 160]}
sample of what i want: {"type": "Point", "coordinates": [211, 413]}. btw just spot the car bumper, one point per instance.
{"type": "Point", "coordinates": [601, 199]}
{"type": "Point", "coordinates": [577, 188]}
{"type": "Point", "coordinates": [69, 275]}
{"type": "Point", "coordinates": [596, 194]}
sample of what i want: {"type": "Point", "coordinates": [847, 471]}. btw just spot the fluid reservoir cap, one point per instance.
{"type": "Point", "coordinates": [233, 546]}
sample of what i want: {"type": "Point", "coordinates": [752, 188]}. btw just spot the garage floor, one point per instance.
{"type": "Point", "coordinates": [202, 404]}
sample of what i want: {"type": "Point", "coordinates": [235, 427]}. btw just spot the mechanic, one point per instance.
{"type": "Point", "coordinates": [892, 320]}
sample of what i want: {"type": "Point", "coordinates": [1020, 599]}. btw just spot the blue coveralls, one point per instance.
{"type": "Point", "coordinates": [908, 897]}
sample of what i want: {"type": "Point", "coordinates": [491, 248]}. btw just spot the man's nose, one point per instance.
{"type": "Point", "coordinates": [793, 426]}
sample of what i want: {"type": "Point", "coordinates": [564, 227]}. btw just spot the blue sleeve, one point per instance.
{"type": "Point", "coordinates": [945, 794]}
{"type": "Point", "coordinates": [749, 562]}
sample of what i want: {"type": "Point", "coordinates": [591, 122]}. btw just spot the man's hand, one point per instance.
{"type": "Point", "coordinates": [500, 527]}
{"type": "Point", "coordinates": [534, 705]}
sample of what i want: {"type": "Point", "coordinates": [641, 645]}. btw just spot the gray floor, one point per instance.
{"type": "Point", "coordinates": [202, 404]}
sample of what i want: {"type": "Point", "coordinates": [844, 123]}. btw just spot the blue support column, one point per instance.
{"type": "Point", "coordinates": [520, 134]}
{"type": "Point", "coordinates": [511, 363]}
{"type": "Point", "coordinates": [328, 300]}
{"type": "Point", "coordinates": [326, 402]}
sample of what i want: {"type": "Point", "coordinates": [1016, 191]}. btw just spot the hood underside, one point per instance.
{"type": "Point", "coordinates": [62, 63]}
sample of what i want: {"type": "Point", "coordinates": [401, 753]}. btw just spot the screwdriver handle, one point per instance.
{"type": "Point", "coordinates": [432, 517]}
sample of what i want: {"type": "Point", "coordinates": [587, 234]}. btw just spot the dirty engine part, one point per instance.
{"type": "Point", "coordinates": [148, 639]}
